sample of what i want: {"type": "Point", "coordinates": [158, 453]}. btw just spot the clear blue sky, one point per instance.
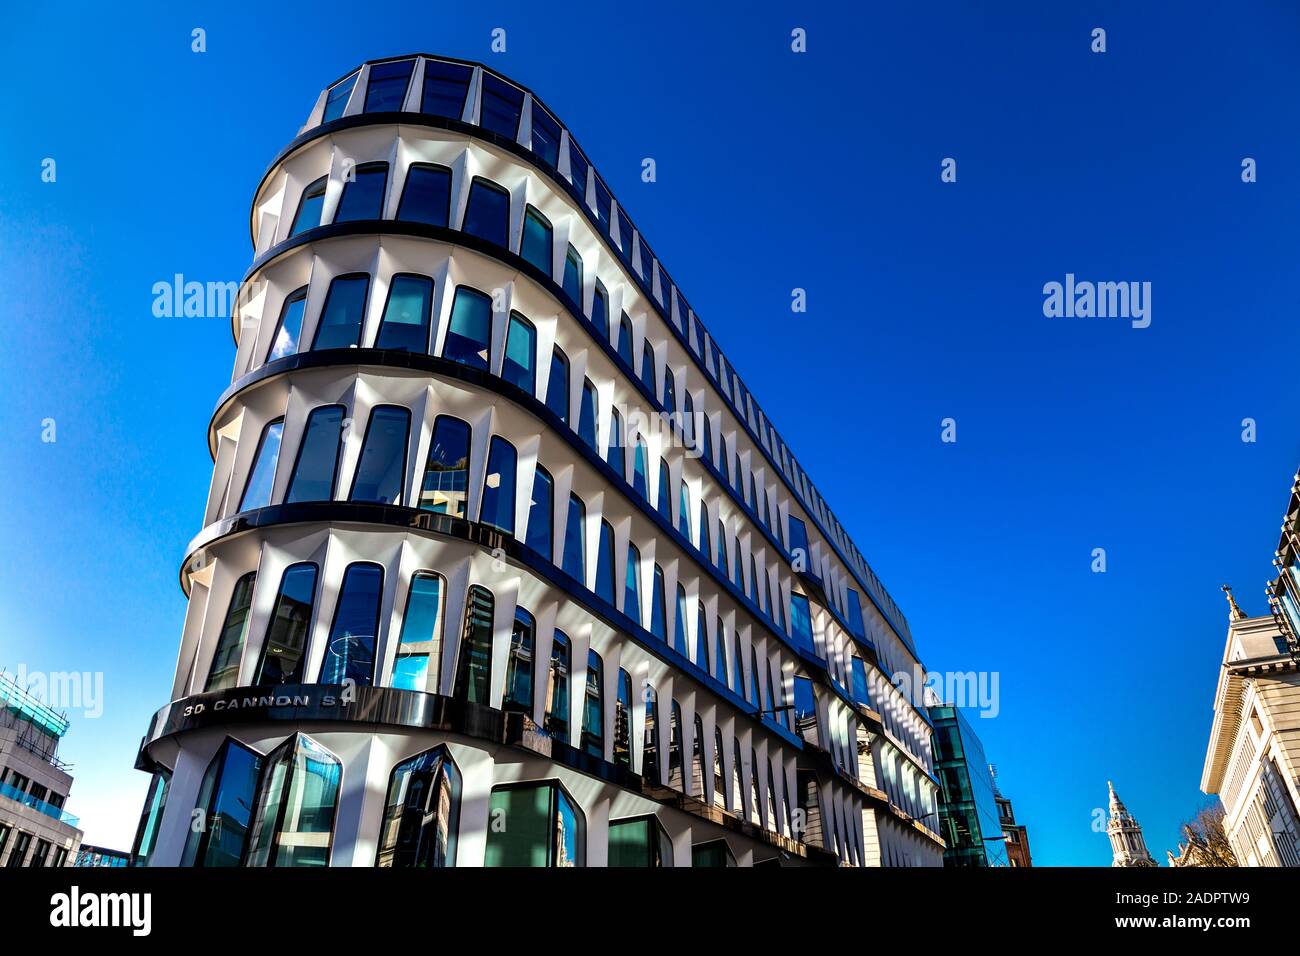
{"type": "Point", "coordinates": [775, 170]}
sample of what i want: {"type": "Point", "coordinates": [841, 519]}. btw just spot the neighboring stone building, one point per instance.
{"type": "Point", "coordinates": [1016, 836]}
{"type": "Point", "coordinates": [1126, 841]}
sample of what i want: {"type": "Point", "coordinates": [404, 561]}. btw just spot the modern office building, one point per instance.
{"type": "Point", "coordinates": [1016, 835]}
{"type": "Point", "coordinates": [1128, 846]}
{"type": "Point", "coordinates": [98, 856]}
{"type": "Point", "coordinates": [35, 830]}
{"type": "Point", "coordinates": [968, 811]}
{"type": "Point", "coordinates": [502, 563]}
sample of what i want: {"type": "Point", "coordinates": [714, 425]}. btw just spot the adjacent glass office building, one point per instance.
{"type": "Point", "coordinates": [968, 809]}
{"type": "Point", "coordinates": [492, 514]}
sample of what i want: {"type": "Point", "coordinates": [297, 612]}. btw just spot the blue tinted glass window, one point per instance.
{"type": "Point", "coordinates": [421, 629]}
{"type": "Point", "coordinates": [614, 454]}
{"type": "Point", "coordinates": [498, 508]}
{"type": "Point", "coordinates": [640, 483]}
{"type": "Point", "coordinates": [426, 197]}
{"type": "Point", "coordinates": [501, 106]}
{"type": "Point", "coordinates": [350, 653]}
{"type": "Point", "coordinates": [386, 88]}
{"type": "Point", "coordinates": [801, 622]}
{"type": "Point", "coordinates": [288, 334]}
{"type": "Point", "coordinates": [854, 614]}
{"type": "Point", "coordinates": [683, 510]}
{"type": "Point", "coordinates": [605, 563]}
{"type": "Point", "coordinates": [670, 391]}
{"type": "Point", "coordinates": [286, 634]}
{"type": "Point", "coordinates": [573, 276]}
{"type": "Point", "coordinates": [234, 633]}
{"type": "Point", "coordinates": [445, 86]}
{"type": "Point", "coordinates": [648, 369]}
{"type": "Point", "coordinates": [318, 456]}
{"type": "Point", "coordinates": [557, 389]}
{"type": "Point", "coordinates": [536, 245]}
{"type": "Point", "coordinates": [625, 233]}
{"type": "Point", "coordinates": [345, 308]}
{"type": "Point", "coordinates": [799, 544]}
{"type": "Point", "coordinates": [593, 708]}
{"type": "Point", "coordinates": [546, 136]}
{"type": "Point", "coordinates": [587, 414]}
{"type": "Point", "coordinates": [521, 349]}
{"type": "Point", "coordinates": [363, 198]}
{"type": "Point", "coordinates": [575, 540]}
{"type": "Point", "coordinates": [446, 473]}
{"type": "Point", "coordinates": [540, 510]}
{"type": "Point", "coordinates": [257, 494]}
{"type": "Point", "coordinates": [487, 215]}
{"type": "Point", "coordinates": [603, 205]}
{"type": "Point", "coordinates": [722, 549]}
{"type": "Point", "coordinates": [470, 328]}
{"type": "Point", "coordinates": [577, 169]}
{"type": "Point", "coordinates": [860, 692]}
{"type": "Point", "coordinates": [226, 797]}
{"type": "Point", "coordinates": [309, 207]}
{"type": "Point", "coordinates": [519, 664]}
{"type": "Point", "coordinates": [337, 98]}
{"type": "Point", "coordinates": [382, 468]}
{"type": "Point", "coordinates": [632, 584]}
{"type": "Point", "coordinates": [474, 668]}
{"type": "Point", "coordinates": [664, 502]}
{"type": "Point", "coordinates": [701, 638]}
{"type": "Point", "coordinates": [556, 719]}
{"type": "Point", "coordinates": [405, 325]}
{"type": "Point", "coordinates": [600, 312]}
{"type": "Point", "coordinates": [720, 651]}
{"type": "Point", "coordinates": [658, 607]}
{"type": "Point", "coordinates": [706, 546]}
{"type": "Point", "coordinates": [679, 624]}
{"type": "Point", "coordinates": [625, 340]}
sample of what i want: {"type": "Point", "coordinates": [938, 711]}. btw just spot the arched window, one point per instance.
{"type": "Point", "coordinates": [708, 440]}
{"type": "Point", "coordinates": [697, 759]}
{"type": "Point", "coordinates": [650, 743]}
{"type": "Point", "coordinates": [386, 88]}
{"type": "Point", "coordinates": [557, 387]}
{"type": "Point", "coordinates": [648, 369]}
{"type": "Point", "coordinates": [720, 651]}
{"type": "Point", "coordinates": [738, 669]}
{"type": "Point", "coordinates": [382, 468]}
{"type": "Point", "coordinates": [470, 328]}
{"type": "Point", "coordinates": [701, 638]}
{"type": "Point", "coordinates": [261, 477]}
{"type": "Point", "coordinates": [344, 310]}
{"type": "Point", "coordinates": [639, 842]}
{"type": "Point", "coordinates": [426, 197]}
{"type": "Point", "coordinates": [706, 544]}
{"type": "Point", "coordinates": [688, 419]}
{"type": "Point", "coordinates": [405, 324]}
{"type": "Point", "coordinates": [614, 455]}
{"type": "Point", "coordinates": [670, 391]}
{"type": "Point", "coordinates": [587, 414]}
{"type": "Point", "coordinates": [519, 664]}
{"type": "Point", "coordinates": [679, 629]}
{"type": "Point", "coordinates": [363, 195]}
{"type": "Point", "coordinates": [573, 277]}
{"type": "Point", "coordinates": [234, 632]}
{"type": "Point", "coordinates": [473, 675]}
{"type": "Point", "coordinates": [659, 606]}
{"type": "Point", "coordinates": [487, 214]}
{"type": "Point", "coordinates": [226, 796]}
{"type": "Point", "coordinates": [575, 541]}
{"type": "Point", "coordinates": [293, 824]}
{"type": "Point", "coordinates": [722, 548]}
{"type": "Point", "coordinates": [755, 583]}
{"type": "Point", "coordinates": [719, 772]}
{"type": "Point", "coordinates": [446, 472]}
{"type": "Point", "coordinates": [545, 829]}
{"type": "Point", "coordinates": [684, 510]}
{"type": "Point", "coordinates": [738, 806]}
{"type": "Point", "coordinates": [771, 702]}
{"type": "Point", "coordinates": [593, 707]}
{"type": "Point", "coordinates": [623, 721]}
{"type": "Point", "coordinates": [755, 803]}
{"type": "Point", "coordinates": [498, 509]}
{"type": "Point", "coordinates": [556, 720]}
{"type": "Point", "coordinates": [663, 503]}
{"type": "Point", "coordinates": [605, 564]}
{"type": "Point", "coordinates": [738, 566]}
{"type": "Point", "coordinates": [640, 483]}
{"type": "Point", "coordinates": [600, 312]}
{"type": "Point", "coordinates": [421, 637]}
{"type": "Point", "coordinates": [288, 331]}
{"type": "Point", "coordinates": [540, 511]}
{"type": "Point", "coordinates": [632, 584]}
{"type": "Point", "coordinates": [675, 747]}
{"type": "Point", "coordinates": [421, 813]}
{"type": "Point", "coordinates": [755, 679]}
{"type": "Point", "coordinates": [519, 367]}
{"type": "Point", "coordinates": [336, 100]}
{"type": "Point", "coordinates": [536, 244]}
{"type": "Point", "coordinates": [309, 207]}
{"type": "Point", "coordinates": [445, 88]}
{"type": "Point", "coordinates": [501, 106]}
{"type": "Point", "coordinates": [350, 653]}
{"type": "Point", "coordinates": [773, 822]}
{"type": "Point", "coordinates": [286, 635]}
{"type": "Point", "coordinates": [625, 340]}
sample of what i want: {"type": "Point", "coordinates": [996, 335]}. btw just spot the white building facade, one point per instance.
{"type": "Point", "coordinates": [501, 562]}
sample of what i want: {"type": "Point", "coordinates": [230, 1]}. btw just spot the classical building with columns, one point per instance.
{"type": "Point", "coordinates": [1127, 844]}
{"type": "Point", "coordinates": [502, 563]}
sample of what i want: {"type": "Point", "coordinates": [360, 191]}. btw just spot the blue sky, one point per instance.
{"type": "Point", "coordinates": [775, 171]}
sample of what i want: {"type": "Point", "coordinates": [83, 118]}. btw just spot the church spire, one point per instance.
{"type": "Point", "coordinates": [1126, 842]}
{"type": "Point", "coordinates": [1235, 613]}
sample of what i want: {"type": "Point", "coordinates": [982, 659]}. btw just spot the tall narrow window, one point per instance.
{"type": "Point", "coordinates": [679, 629]}
{"type": "Point", "coordinates": [623, 721]}
{"type": "Point", "coordinates": [625, 340]}
{"type": "Point", "coordinates": [670, 391]}
{"type": "Point", "coordinates": [234, 634]}
{"type": "Point", "coordinates": [771, 691]}
{"type": "Point", "coordinates": [337, 98]}
{"type": "Point", "coordinates": [664, 501]}
{"type": "Point", "coordinates": [706, 546]}
{"type": "Point", "coordinates": [257, 493]}
{"type": "Point", "coordinates": [684, 511]}
{"type": "Point", "coordinates": [688, 419]}
{"type": "Point", "coordinates": [546, 136]}
{"type": "Point", "coordinates": [593, 707]}
{"type": "Point", "coordinates": [625, 233]}
{"type": "Point", "coordinates": [498, 508]}
{"type": "Point", "coordinates": [540, 511]}
{"type": "Point", "coordinates": [738, 668]}
{"type": "Point", "coordinates": [640, 484]}
{"type": "Point", "coordinates": [546, 827]}
{"type": "Point", "coordinates": [445, 86]}
{"type": "Point", "coordinates": [519, 664]}
{"type": "Point", "coordinates": [293, 824]}
{"type": "Point", "coordinates": [386, 88]}
{"type": "Point", "coordinates": [632, 584]}
{"type": "Point", "coordinates": [146, 833]}
{"type": "Point", "coordinates": [556, 720]}
{"type": "Point", "coordinates": [405, 324]}
{"type": "Point", "coordinates": [614, 455]}
{"type": "Point", "coordinates": [501, 106]}
{"type": "Point", "coordinates": [701, 638]}
{"type": "Point", "coordinates": [520, 365]}
{"type": "Point", "coordinates": [719, 772]}
{"type": "Point", "coordinates": [226, 796]}
{"type": "Point", "coordinates": [310, 207]}
{"type": "Point", "coordinates": [650, 751]}
{"type": "Point", "coordinates": [487, 214]}
{"type": "Point", "coordinates": [286, 636]}
{"type": "Point", "coordinates": [345, 309]}
{"type": "Point", "coordinates": [859, 682]}
{"type": "Point", "coordinates": [557, 388]}
{"type": "Point", "coordinates": [720, 651]}
{"type": "Point", "coordinates": [658, 607]}
{"type": "Point", "coordinates": [605, 564]}
{"type": "Point", "coordinates": [648, 370]}
{"type": "Point", "coordinates": [600, 312]}
{"type": "Point", "coordinates": [363, 196]}
{"type": "Point", "coordinates": [536, 244]}
{"type": "Point", "coordinates": [469, 330]}
{"type": "Point", "coordinates": [722, 548]}
{"type": "Point", "coordinates": [573, 276]}
{"type": "Point", "coordinates": [738, 802]}
{"type": "Point", "coordinates": [474, 671]}
{"type": "Point", "coordinates": [318, 456]}
{"type": "Point", "coordinates": [578, 167]}
{"type": "Point", "coordinates": [426, 197]}
{"type": "Point", "coordinates": [697, 759]}
{"type": "Point", "coordinates": [446, 473]}
{"type": "Point", "coordinates": [753, 787]}
{"type": "Point", "coordinates": [754, 678]}
{"type": "Point", "coordinates": [350, 653]}
{"type": "Point", "coordinates": [381, 471]}
{"type": "Point", "coordinates": [575, 541]}
{"type": "Point", "coordinates": [288, 332]}
{"type": "Point", "coordinates": [421, 813]}
{"type": "Point", "coordinates": [587, 414]}
{"type": "Point", "coordinates": [675, 746]}
{"type": "Point", "coordinates": [421, 637]}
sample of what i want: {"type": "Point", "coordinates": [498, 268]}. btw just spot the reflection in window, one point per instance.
{"type": "Point", "coordinates": [663, 503]}
{"type": "Point", "coordinates": [697, 759]}
{"type": "Point", "coordinates": [641, 842]}
{"type": "Point", "coordinates": [146, 833]}
{"type": "Point", "coordinates": [288, 333]}
{"type": "Point", "coordinates": [557, 388]}
{"type": "Point", "coordinates": [684, 510]}
{"type": "Point", "coordinates": [543, 827]}
{"type": "Point", "coordinates": [309, 207]}
{"type": "Point", "coordinates": [670, 391]}
{"type": "Point", "coordinates": [593, 707]}
{"type": "Point", "coordinates": [658, 608]}
{"type": "Point", "coordinates": [754, 678]}
{"type": "Point", "coordinates": [363, 196]}
{"type": "Point", "coordinates": [632, 584]}
{"type": "Point", "coordinates": [446, 473]}
{"type": "Point", "coordinates": [318, 456]}
{"type": "Point", "coordinates": [648, 369]}
{"type": "Point", "coordinates": [405, 324]}
{"type": "Point", "coordinates": [719, 772]}
{"type": "Point", "coordinates": [556, 720]}
{"type": "Point", "coordinates": [801, 622]}
{"type": "Point", "coordinates": [225, 799]}
{"type": "Point", "coordinates": [738, 668]}
{"type": "Point", "coordinates": [739, 805]}
{"type": "Point", "coordinates": [720, 651]}
{"type": "Point", "coordinates": [625, 234]}
{"type": "Point", "coordinates": [345, 309]}
{"type": "Point", "coordinates": [382, 468]}
{"type": "Point", "coordinates": [294, 821]}
{"type": "Point", "coordinates": [575, 540]}
{"type": "Point", "coordinates": [722, 548]}
{"type": "Point", "coordinates": [715, 853]}
{"type": "Point", "coordinates": [701, 638]}
{"type": "Point", "coordinates": [623, 721]}
{"type": "Point", "coordinates": [536, 244]}
{"type": "Point", "coordinates": [475, 669]}
{"type": "Point", "coordinates": [679, 633]}
{"type": "Point", "coordinates": [469, 329]}
{"type": "Point", "coordinates": [337, 98]}
{"type": "Point", "coordinates": [541, 508]}
{"type": "Point", "coordinates": [286, 635]}
{"type": "Point", "coordinates": [614, 454]}
{"type": "Point", "coordinates": [600, 312]}
{"type": "Point", "coordinates": [234, 633]}
{"type": "Point", "coordinates": [501, 106]}
{"type": "Point", "coordinates": [675, 746]}
{"type": "Point", "coordinates": [650, 742]}
{"type": "Point", "coordinates": [605, 563]}
{"type": "Point", "coordinates": [386, 88]}
{"type": "Point", "coordinates": [487, 215]}
{"type": "Point", "coordinates": [421, 813]}
{"type": "Point", "coordinates": [521, 346]}
{"type": "Point", "coordinates": [498, 509]}
{"type": "Point", "coordinates": [350, 653]}
{"type": "Point", "coordinates": [587, 414]}
{"type": "Point", "coordinates": [640, 483]}
{"type": "Point", "coordinates": [578, 166]}
{"type": "Point", "coordinates": [426, 197]}
{"type": "Point", "coordinates": [257, 494]}
{"type": "Point", "coordinates": [625, 339]}
{"type": "Point", "coordinates": [519, 664]}
{"type": "Point", "coordinates": [573, 276]}
{"type": "Point", "coordinates": [445, 86]}
{"type": "Point", "coordinates": [421, 632]}
{"type": "Point", "coordinates": [546, 136]}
